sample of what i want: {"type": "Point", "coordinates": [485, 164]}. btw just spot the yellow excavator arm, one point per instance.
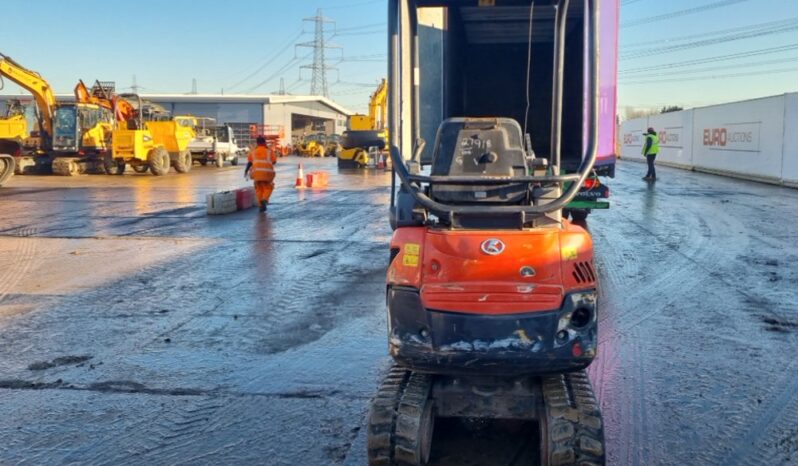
{"type": "Point", "coordinates": [36, 85]}
{"type": "Point", "coordinates": [378, 106]}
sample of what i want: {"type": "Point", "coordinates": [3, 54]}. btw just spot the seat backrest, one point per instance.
{"type": "Point", "coordinates": [482, 147]}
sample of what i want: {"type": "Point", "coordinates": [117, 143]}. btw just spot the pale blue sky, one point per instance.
{"type": "Point", "coordinates": [763, 34]}
{"type": "Point", "coordinates": [245, 46]}
{"type": "Point", "coordinates": [167, 43]}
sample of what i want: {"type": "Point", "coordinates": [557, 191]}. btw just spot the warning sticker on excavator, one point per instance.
{"type": "Point", "coordinates": [412, 249]}
{"type": "Point", "coordinates": [410, 260]}
{"type": "Point", "coordinates": [569, 253]}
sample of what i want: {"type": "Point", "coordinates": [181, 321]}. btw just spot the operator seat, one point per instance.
{"type": "Point", "coordinates": [479, 147]}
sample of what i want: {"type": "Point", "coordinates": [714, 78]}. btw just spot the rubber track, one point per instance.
{"type": "Point", "coordinates": [575, 430]}
{"type": "Point", "coordinates": [409, 417]}
{"type": "Point", "coordinates": [61, 166]}
{"type": "Point", "coordinates": [382, 417]}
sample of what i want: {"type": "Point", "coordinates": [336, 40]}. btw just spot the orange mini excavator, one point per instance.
{"type": "Point", "coordinates": [491, 292]}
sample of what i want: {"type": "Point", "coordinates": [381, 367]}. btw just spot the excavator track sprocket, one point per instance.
{"type": "Point", "coordinates": [67, 166]}
{"type": "Point", "coordinates": [401, 420]}
{"type": "Point", "coordinates": [571, 427]}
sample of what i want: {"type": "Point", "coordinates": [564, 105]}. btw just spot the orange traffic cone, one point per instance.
{"type": "Point", "coordinates": [381, 162]}
{"type": "Point", "coordinates": [300, 178]}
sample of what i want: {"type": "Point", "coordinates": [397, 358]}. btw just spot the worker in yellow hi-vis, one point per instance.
{"type": "Point", "coordinates": [260, 168]}
{"type": "Point", "coordinates": [650, 151]}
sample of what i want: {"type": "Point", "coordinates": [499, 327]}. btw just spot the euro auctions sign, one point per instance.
{"type": "Point", "coordinates": [670, 138]}
{"type": "Point", "coordinates": [736, 137]}
{"type": "Point", "coordinates": [634, 138]}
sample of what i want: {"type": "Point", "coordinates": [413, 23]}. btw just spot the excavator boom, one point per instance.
{"type": "Point", "coordinates": [378, 106]}
{"type": "Point", "coordinates": [36, 85]}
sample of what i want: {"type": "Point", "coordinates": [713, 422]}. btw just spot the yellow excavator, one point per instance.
{"type": "Point", "coordinates": [365, 131]}
{"type": "Point", "coordinates": [26, 145]}
{"type": "Point", "coordinates": [13, 126]}
{"type": "Point", "coordinates": [82, 131]}
{"type": "Point", "coordinates": [69, 138]}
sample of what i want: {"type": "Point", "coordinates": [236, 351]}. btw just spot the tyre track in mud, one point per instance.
{"type": "Point", "coordinates": [772, 437]}
{"type": "Point", "coordinates": [713, 246]}
{"type": "Point", "coordinates": [179, 426]}
{"type": "Point", "coordinates": [22, 259]}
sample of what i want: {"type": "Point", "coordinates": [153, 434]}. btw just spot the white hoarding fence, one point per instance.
{"type": "Point", "coordinates": [789, 168]}
{"type": "Point", "coordinates": [755, 139]}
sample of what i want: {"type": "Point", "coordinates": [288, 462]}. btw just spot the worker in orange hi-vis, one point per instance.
{"type": "Point", "coordinates": [260, 168]}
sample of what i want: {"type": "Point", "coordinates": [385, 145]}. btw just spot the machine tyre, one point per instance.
{"type": "Point", "coordinates": [141, 168]}
{"type": "Point", "coordinates": [159, 161]}
{"type": "Point", "coordinates": [219, 161]}
{"type": "Point", "coordinates": [203, 162]}
{"type": "Point", "coordinates": [571, 427]}
{"type": "Point", "coordinates": [113, 166]}
{"type": "Point", "coordinates": [7, 167]}
{"type": "Point", "coordinates": [234, 160]}
{"type": "Point", "coordinates": [183, 163]}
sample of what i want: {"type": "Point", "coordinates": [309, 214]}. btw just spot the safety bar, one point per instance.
{"type": "Point", "coordinates": [139, 109]}
{"type": "Point", "coordinates": [411, 182]}
{"type": "Point", "coordinates": [470, 180]}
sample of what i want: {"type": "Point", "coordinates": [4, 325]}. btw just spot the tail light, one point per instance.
{"type": "Point", "coordinates": [590, 183]}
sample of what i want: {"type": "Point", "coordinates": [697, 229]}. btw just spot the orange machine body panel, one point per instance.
{"type": "Point", "coordinates": [533, 272]}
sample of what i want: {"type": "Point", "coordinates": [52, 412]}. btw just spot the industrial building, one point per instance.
{"type": "Point", "coordinates": [297, 115]}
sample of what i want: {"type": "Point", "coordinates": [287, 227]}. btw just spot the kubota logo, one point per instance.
{"type": "Point", "coordinates": [492, 247]}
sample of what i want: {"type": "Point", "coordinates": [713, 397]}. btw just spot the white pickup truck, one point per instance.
{"type": "Point", "coordinates": [215, 144]}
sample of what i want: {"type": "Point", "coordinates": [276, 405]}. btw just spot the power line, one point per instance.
{"type": "Point", "coordinates": [722, 76]}
{"type": "Point", "coordinates": [679, 13]}
{"type": "Point", "coordinates": [770, 24]}
{"type": "Point", "coordinates": [362, 33]}
{"type": "Point", "coordinates": [279, 72]}
{"type": "Point", "coordinates": [362, 26]}
{"type": "Point", "coordinates": [717, 40]}
{"type": "Point", "coordinates": [269, 61]}
{"type": "Point", "coordinates": [701, 61]}
{"type": "Point", "coordinates": [352, 5]}
{"type": "Point", "coordinates": [715, 68]}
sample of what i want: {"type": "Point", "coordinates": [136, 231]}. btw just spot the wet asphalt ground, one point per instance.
{"type": "Point", "coordinates": [134, 329]}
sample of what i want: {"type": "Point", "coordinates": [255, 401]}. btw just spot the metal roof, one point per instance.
{"type": "Point", "coordinates": [247, 98]}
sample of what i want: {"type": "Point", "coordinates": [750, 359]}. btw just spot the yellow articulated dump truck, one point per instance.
{"type": "Point", "coordinates": [152, 140]}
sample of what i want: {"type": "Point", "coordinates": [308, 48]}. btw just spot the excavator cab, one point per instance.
{"type": "Point", "coordinates": [81, 137]}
